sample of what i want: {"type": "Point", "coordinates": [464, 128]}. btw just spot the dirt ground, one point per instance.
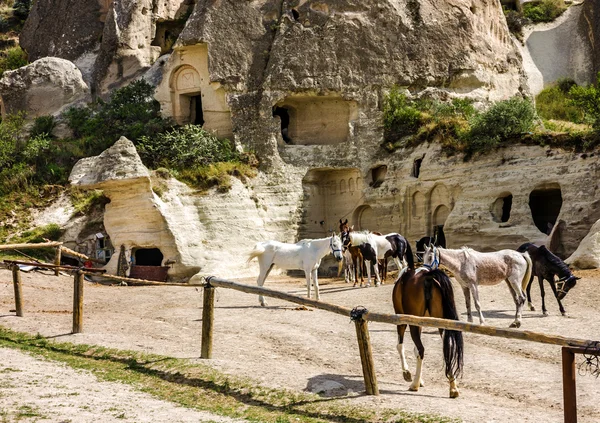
{"type": "Point", "coordinates": [282, 345]}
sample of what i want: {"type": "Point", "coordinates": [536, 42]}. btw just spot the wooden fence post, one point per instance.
{"type": "Point", "coordinates": [208, 317]}
{"type": "Point", "coordinates": [18, 292]}
{"type": "Point", "coordinates": [569, 388]}
{"type": "Point", "coordinates": [366, 356]}
{"type": "Point", "coordinates": [57, 260]}
{"type": "Point", "coordinates": [78, 302]}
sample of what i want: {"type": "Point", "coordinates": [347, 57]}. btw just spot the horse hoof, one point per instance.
{"type": "Point", "coordinates": [545, 314]}
{"type": "Point", "coordinates": [515, 325]}
{"type": "Point", "coordinates": [531, 308]}
{"type": "Point", "coordinates": [407, 376]}
{"type": "Point", "coordinates": [413, 388]}
{"type": "Point", "coordinates": [454, 393]}
{"type": "Point", "coordinates": [564, 313]}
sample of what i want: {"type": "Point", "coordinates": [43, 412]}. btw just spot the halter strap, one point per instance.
{"type": "Point", "coordinates": [333, 250]}
{"type": "Point", "coordinates": [436, 260]}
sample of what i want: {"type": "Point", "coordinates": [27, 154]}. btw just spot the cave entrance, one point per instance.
{"type": "Point", "coordinates": [316, 120]}
{"type": "Point", "coordinates": [196, 113]}
{"type": "Point", "coordinates": [502, 207]}
{"type": "Point", "coordinates": [148, 257]}
{"type": "Point", "coordinates": [284, 117]}
{"type": "Point", "coordinates": [147, 265]}
{"type": "Point", "coordinates": [167, 33]}
{"type": "Point", "coordinates": [545, 204]}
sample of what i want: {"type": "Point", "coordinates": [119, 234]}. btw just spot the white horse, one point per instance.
{"type": "Point", "coordinates": [305, 255]}
{"type": "Point", "coordinates": [381, 245]}
{"type": "Point", "coordinates": [472, 268]}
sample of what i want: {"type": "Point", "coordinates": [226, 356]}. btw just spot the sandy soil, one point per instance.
{"type": "Point", "coordinates": [285, 346]}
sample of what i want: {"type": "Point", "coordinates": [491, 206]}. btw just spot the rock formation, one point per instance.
{"type": "Point", "coordinates": [44, 87]}
{"type": "Point", "coordinates": [301, 83]}
{"type": "Point", "coordinates": [587, 255]}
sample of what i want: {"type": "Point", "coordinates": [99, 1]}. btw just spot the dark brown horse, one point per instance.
{"type": "Point", "coordinates": [546, 266]}
{"type": "Point", "coordinates": [428, 293]}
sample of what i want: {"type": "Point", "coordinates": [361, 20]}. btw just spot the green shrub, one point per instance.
{"type": "Point", "coordinates": [544, 11]}
{"type": "Point", "coordinates": [131, 111]}
{"type": "Point", "coordinates": [400, 116]}
{"type": "Point", "coordinates": [22, 8]}
{"type": "Point", "coordinates": [588, 99]}
{"type": "Point", "coordinates": [185, 147]}
{"type": "Point", "coordinates": [554, 103]}
{"type": "Point", "coordinates": [515, 21]}
{"type": "Point", "coordinates": [503, 120]}
{"type": "Point", "coordinates": [11, 59]}
{"type": "Point", "coordinates": [43, 125]}
{"type": "Point", "coordinates": [565, 84]}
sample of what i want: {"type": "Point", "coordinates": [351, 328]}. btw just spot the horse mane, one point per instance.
{"type": "Point", "coordinates": [554, 260]}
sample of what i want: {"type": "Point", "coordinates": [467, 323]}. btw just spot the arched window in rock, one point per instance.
{"type": "Point", "coordinates": [501, 207]}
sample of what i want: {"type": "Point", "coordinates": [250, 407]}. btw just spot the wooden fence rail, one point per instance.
{"type": "Point", "coordinates": [570, 346]}
{"type": "Point", "coordinates": [403, 319]}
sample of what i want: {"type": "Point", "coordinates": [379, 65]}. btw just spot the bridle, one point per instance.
{"type": "Point", "coordinates": [561, 283]}
{"type": "Point", "coordinates": [333, 250]}
{"type": "Point", "coordinates": [436, 260]}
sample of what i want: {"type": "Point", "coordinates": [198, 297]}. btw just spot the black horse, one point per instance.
{"type": "Point", "coordinates": [545, 266]}
{"type": "Point", "coordinates": [438, 239]}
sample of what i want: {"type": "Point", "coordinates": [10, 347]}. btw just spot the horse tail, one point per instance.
{"type": "Point", "coordinates": [258, 251]}
{"type": "Point", "coordinates": [528, 272]}
{"type": "Point", "coordinates": [409, 256]}
{"type": "Point", "coordinates": [453, 339]}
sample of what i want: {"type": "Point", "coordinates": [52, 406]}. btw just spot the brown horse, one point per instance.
{"type": "Point", "coordinates": [421, 293]}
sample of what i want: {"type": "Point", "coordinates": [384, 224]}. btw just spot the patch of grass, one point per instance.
{"type": "Point", "coordinates": [216, 175]}
{"type": "Point", "coordinates": [85, 200]}
{"type": "Point", "coordinates": [544, 10]}
{"type": "Point", "coordinates": [200, 387]}
{"type": "Point", "coordinates": [555, 103]}
{"type": "Point", "coordinates": [11, 59]}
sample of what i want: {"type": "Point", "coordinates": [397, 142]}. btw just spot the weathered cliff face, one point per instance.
{"type": "Point", "coordinates": [301, 83]}
{"type": "Point", "coordinates": [111, 41]}
{"type": "Point", "coordinates": [590, 20]}
{"type": "Point", "coordinates": [562, 49]}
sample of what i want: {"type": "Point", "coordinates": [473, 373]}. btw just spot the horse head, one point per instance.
{"type": "Point", "coordinates": [431, 257]}
{"type": "Point", "coordinates": [563, 286]}
{"type": "Point", "coordinates": [336, 247]}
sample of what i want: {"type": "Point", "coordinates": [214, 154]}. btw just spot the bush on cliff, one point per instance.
{"type": "Point", "coordinates": [196, 156]}
{"type": "Point", "coordinates": [12, 59]}
{"type": "Point", "coordinates": [503, 120]}
{"type": "Point", "coordinates": [544, 11]}
{"type": "Point", "coordinates": [587, 98]}
{"type": "Point", "coordinates": [131, 111]}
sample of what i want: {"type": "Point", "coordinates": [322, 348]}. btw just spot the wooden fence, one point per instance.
{"type": "Point", "coordinates": [570, 346]}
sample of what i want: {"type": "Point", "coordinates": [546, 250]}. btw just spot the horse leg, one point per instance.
{"type": "Point", "coordinates": [560, 306]}
{"type": "Point", "coordinates": [316, 282]}
{"type": "Point", "coordinates": [367, 264]}
{"type": "Point", "coordinates": [261, 280]}
{"type": "Point", "coordinates": [400, 264]}
{"type": "Point", "coordinates": [543, 294]}
{"type": "Point", "coordinates": [376, 270]}
{"type": "Point", "coordinates": [467, 293]}
{"type": "Point", "coordinates": [415, 334]}
{"type": "Point", "coordinates": [519, 299]}
{"type": "Point", "coordinates": [531, 307]}
{"type": "Point", "coordinates": [475, 292]}
{"type": "Point", "coordinates": [400, 347]}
